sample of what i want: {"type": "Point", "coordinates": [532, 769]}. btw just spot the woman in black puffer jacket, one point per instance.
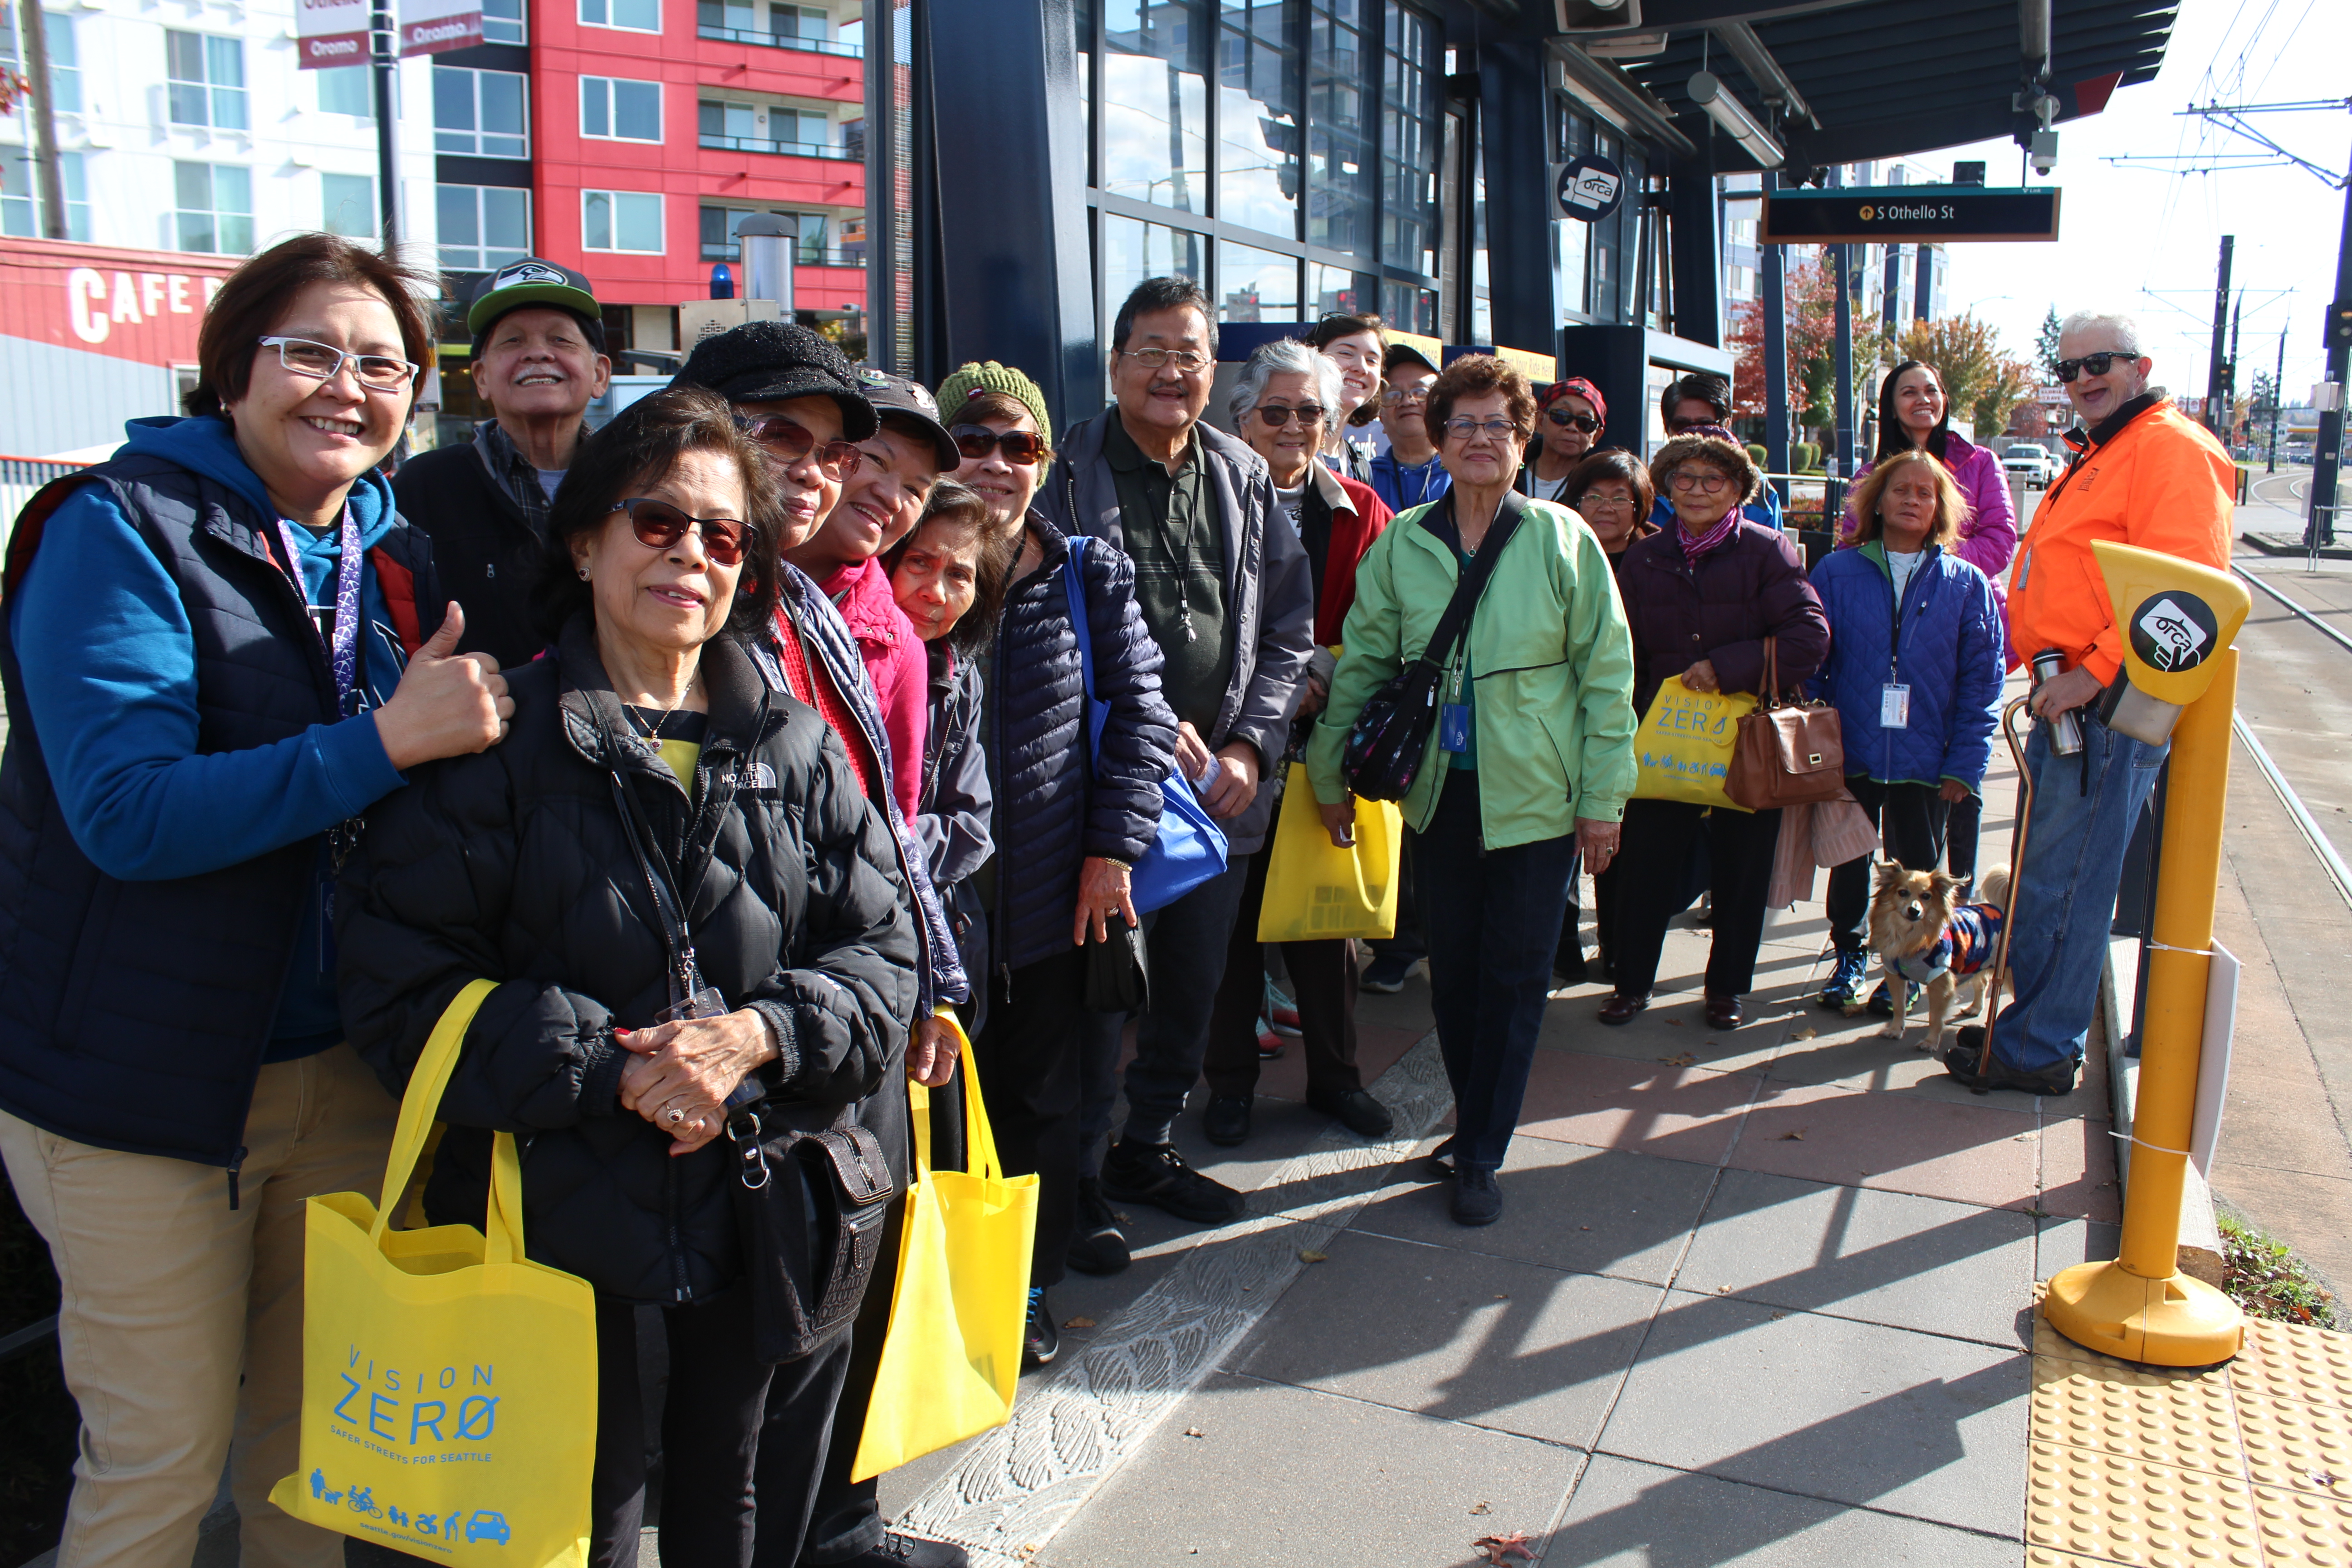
{"type": "Point", "coordinates": [517, 864]}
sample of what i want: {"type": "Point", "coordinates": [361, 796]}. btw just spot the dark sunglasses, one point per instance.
{"type": "Point", "coordinates": [659, 526]}
{"type": "Point", "coordinates": [1309, 414]}
{"type": "Point", "coordinates": [789, 440]}
{"type": "Point", "coordinates": [1565, 420]}
{"type": "Point", "coordinates": [976, 441]}
{"type": "Point", "coordinates": [2098, 364]}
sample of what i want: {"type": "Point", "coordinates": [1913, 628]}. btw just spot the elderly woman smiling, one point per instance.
{"type": "Point", "coordinates": [1532, 760]}
{"type": "Point", "coordinates": [647, 750]}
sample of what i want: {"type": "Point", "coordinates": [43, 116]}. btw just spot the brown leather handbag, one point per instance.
{"type": "Point", "coordinates": [1788, 754]}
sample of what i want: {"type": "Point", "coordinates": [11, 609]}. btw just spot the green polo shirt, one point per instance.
{"type": "Point", "coordinates": [1177, 541]}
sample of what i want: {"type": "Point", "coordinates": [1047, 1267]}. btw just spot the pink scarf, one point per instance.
{"type": "Point", "coordinates": [1693, 548]}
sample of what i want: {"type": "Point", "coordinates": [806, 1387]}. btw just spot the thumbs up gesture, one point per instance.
{"type": "Point", "coordinates": [448, 704]}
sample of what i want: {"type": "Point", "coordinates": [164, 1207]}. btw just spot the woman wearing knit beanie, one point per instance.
{"type": "Point", "coordinates": [998, 417]}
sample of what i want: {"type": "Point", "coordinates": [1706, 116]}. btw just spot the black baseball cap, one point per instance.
{"type": "Point", "coordinates": [912, 402]}
{"type": "Point", "coordinates": [535, 281]}
{"type": "Point", "coordinates": [1404, 354]}
{"type": "Point", "coordinates": [765, 361]}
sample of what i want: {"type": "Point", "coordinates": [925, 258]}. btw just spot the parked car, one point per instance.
{"type": "Point", "coordinates": [2031, 459]}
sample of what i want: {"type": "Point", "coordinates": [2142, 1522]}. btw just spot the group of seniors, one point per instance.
{"type": "Point", "coordinates": [744, 744]}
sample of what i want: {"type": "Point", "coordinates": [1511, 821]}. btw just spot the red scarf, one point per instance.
{"type": "Point", "coordinates": [1693, 548]}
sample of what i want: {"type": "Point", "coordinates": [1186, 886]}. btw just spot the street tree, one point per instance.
{"type": "Point", "coordinates": [2045, 346]}
{"type": "Point", "coordinates": [1979, 376]}
{"type": "Point", "coordinates": [1811, 325]}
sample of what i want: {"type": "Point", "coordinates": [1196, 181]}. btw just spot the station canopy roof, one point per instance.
{"type": "Point", "coordinates": [1877, 79]}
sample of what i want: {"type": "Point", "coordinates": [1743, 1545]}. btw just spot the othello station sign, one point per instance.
{"type": "Point", "coordinates": [1886, 214]}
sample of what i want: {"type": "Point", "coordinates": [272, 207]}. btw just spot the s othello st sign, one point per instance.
{"type": "Point", "coordinates": [1873, 215]}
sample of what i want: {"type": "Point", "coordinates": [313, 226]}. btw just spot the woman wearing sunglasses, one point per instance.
{"type": "Point", "coordinates": [1571, 415]}
{"type": "Point", "coordinates": [654, 780]}
{"type": "Point", "coordinates": [214, 666]}
{"type": "Point", "coordinates": [1002, 434]}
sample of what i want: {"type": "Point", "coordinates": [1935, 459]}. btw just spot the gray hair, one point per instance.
{"type": "Point", "coordinates": [2123, 331]}
{"type": "Point", "coordinates": [1282, 355]}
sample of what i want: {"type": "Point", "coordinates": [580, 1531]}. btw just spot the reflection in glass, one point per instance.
{"type": "Point", "coordinates": [1133, 251]}
{"type": "Point", "coordinates": [1331, 289]}
{"type": "Point", "coordinates": [1256, 285]}
{"type": "Point", "coordinates": [1409, 111]}
{"type": "Point", "coordinates": [1258, 139]}
{"type": "Point", "coordinates": [1409, 309]}
{"type": "Point", "coordinates": [1156, 102]}
{"type": "Point", "coordinates": [1482, 308]}
{"type": "Point", "coordinates": [1339, 131]}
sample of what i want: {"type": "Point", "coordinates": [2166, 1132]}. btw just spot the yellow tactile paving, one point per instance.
{"type": "Point", "coordinates": [2289, 1361]}
{"type": "Point", "coordinates": [2138, 1415]}
{"type": "Point", "coordinates": [2302, 1531]}
{"type": "Point", "coordinates": [2115, 1508]}
{"type": "Point", "coordinates": [2288, 1443]}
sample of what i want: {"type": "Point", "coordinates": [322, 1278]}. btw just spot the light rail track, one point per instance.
{"type": "Point", "coordinates": [2304, 822]}
{"type": "Point", "coordinates": [2335, 635]}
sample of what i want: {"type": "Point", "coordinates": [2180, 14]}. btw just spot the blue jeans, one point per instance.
{"type": "Point", "coordinates": [1492, 918]}
{"type": "Point", "coordinates": [2061, 901]}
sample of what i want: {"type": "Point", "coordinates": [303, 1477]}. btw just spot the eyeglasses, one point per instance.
{"type": "Point", "coordinates": [2098, 364]}
{"type": "Point", "coordinates": [1184, 360]}
{"type": "Point", "coordinates": [1309, 414]}
{"type": "Point", "coordinates": [789, 441]}
{"type": "Point", "coordinates": [659, 526]}
{"type": "Point", "coordinates": [1563, 418]}
{"type": "Point", "coordinates": [1676, 427]}
{"type": "Point", "coordinates": [320, 362]}
{"type": "Point", "coordinates": [1602, 503]}
{"type": "Point", "coordinates": [976, 441]}
{"type": "Point", "coordinates": [1462, 429]}
{"type": "Point", "coordinates": [1396, 396]}
{"type": "Point", "coordinates": [1705, 479]}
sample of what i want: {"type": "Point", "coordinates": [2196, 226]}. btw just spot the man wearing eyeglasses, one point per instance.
{"type": "Point", "coordinates": [538, 360]}
{"type": "Point", "coordinates": [2142, 474]}
{"type": "Point", "coordinates": [1703, 401]}
{"type": "Point", "coordinates": [1408, 474]}
{"type": "Point", "coordinates": [1225, 591]}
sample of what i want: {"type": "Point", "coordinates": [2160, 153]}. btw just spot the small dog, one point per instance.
{"type": "Point", "coordinates": [1925, 937]}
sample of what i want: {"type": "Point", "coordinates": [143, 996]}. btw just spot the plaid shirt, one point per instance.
{"type": "Point", "coordinates": [512, 472]}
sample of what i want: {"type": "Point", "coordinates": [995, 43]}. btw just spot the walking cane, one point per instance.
{"type": "Point", "coordinates": [2016, 861]}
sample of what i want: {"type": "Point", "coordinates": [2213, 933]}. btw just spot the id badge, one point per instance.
{"type": "Point", "coordinates": [1453, 727]}
{"type": "Point", "coordinates": [705, 1003]}
{"type": "Point", "coordinates": [1894, 707]}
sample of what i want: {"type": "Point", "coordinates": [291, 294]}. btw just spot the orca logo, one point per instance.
{"type": "Point", "coordinates": [2174, 631]}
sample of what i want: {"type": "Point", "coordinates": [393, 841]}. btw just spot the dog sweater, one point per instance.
{"type": "Point", "coordinates": [1968, 944]}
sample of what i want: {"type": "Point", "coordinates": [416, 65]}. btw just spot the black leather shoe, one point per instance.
{"type": "Point", "coordinates": [1155, 1173]}
{"type": "Point", "coordinates": [1723, 1012]}
{"type": "Point", "coordinates": [896, 1550]}
{"type": "Point", "coordinates": [1622, 1008]}
{"type": "Point", "coordinates": [1476, 1199]}
{"type": "Point", "coordinates": [1041, 1342]}
{"type": "Point", "coordinates": [1967, 1049]}
{"type": "Point", "coordinates": [1356, 1110]}
{"type": "Point", "coordinates": [1227, 1120]}
{"type": "Point", "coordinates": [1439, 1167]}
{"type": "Point", "coordinates": [1097, 1246]}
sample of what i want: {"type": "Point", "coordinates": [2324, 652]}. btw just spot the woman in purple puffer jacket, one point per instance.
{"type": "Point", "coordinates": [1912, 413]}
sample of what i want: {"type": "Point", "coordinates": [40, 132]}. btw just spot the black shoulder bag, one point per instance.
{"type": "Point", "coordinates": [1391, 730]}
{"type": "Point", "coordinates": [809, 1205]}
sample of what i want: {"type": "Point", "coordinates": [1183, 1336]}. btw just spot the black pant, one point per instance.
{"type": "Point", "coordinates": [1491, 919]}
{"type": "Point", "coordinates": [1910, 818]}
{"type": "Point", "coordinates": [1323, 984]}
{"type": "Point", "coordinates": [1406, 947]}
{"type": "Point", "coordinates": [711, 1430]}
{"type": "Point", "coordinates": [1967, 822]}
{"type": "Point", "coordinates": [1652, 862]}
{"type": "Point", "coordinates": [1028, 1057]}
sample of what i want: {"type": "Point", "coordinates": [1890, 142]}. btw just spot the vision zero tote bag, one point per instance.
{"type": "Point", "coordinates": [1788, 754]}
{"type": "Point", "coordinates": [448, 1383]}
{"type": "Point", "coordinates": [952, 1354]}
{"type": "Point", "coordinates": [1314, 891]}
{"type": "Point", "coordinates": [1686, 741]}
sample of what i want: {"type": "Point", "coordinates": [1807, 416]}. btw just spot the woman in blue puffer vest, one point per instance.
{"type": "Point", "coordinates": [1915, 669]}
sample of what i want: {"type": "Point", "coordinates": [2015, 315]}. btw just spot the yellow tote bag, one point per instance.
{"type": "Point", "coordinates": [1316, 891]}
{"type": "Point", "coordinates": [952, 1355]}
{"type": "Point", "coordinates": [1685, 743]}
{"type": "Point", "coordinates": [448, 1383]}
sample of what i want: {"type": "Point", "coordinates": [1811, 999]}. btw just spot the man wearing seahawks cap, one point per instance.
{"type": "Point", "coordinates": [538, 359]}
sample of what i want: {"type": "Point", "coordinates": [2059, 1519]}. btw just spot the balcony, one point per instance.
{"type": "Point", "coordinates": [854, 51]}
{"type": "Point", "coordinates": [783, 149]}
{"type": "Point", "coordinates": [809, 256]}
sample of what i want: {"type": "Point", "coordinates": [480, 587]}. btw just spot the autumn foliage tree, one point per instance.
{"type": "Point", "coordinates": [1982, 380]}
{"type": "Point", "coordinates": [1812, 326]}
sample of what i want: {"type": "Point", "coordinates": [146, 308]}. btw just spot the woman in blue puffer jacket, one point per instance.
{"type": "Point", "coordinates": [1915, 669]}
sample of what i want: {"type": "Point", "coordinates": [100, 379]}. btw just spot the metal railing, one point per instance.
{"type": "Point", "coordinates": [782, 149]}
{"type": "Point", "coordinates": [805, 259]}
{"type": "Point", "coordinates": [20, 479]}
{"type": "Point", "coordinates": [781, 41]}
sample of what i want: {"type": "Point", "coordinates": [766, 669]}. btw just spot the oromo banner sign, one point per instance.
{"type": "Point", "coordinates": [335, 32]}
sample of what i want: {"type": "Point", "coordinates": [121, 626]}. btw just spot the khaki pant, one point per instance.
{"type": "Point", "coordinates": [169, 1294]}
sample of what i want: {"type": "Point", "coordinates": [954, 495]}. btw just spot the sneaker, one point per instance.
{"type": "Point", "coordinates": [1269, 1044]}
{"type": "Point", "coordinates": [1226, 1122]}
{"type": "Point", "coordinates": [1097, 1246]}
{"type": "Point", "coordinates": [1387, 976]}
{"type": "Point", "coordinates": [1155, 1173]}
{"type": "Point", "coordinates": [1843, 991]}
{"type": "Point", "coordinates": [1041, 1342]}
{"type": "Point", "coordinates": [1281, 1014]}
{"type": "Point", "coordinates": [1357, 1112]}
{"type": "Point", "coordinates": [1476, 1199]}
{"type": "Point", "coordinates": [896, 1550]}
{"type": "Point", "coordinates": [1881, 1001]}
{"type": "Point", "coordinates": [1960, 1058]}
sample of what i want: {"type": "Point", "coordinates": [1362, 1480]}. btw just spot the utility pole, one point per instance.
{"type": "Point", "coordinates": [35, 31]}
{"type": "Point", "coordinates": [383, 53]}
{"type": "Point", "coordinates": [2216, 369]}
{"type": "Point", "coordinates": [2278, 401]}
{"type": "Point", "coordinates": [2237, 337]}
{"type": "Point", "coordinates": [2327, 452]}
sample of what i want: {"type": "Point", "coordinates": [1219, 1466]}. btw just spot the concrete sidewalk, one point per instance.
{"type": "Point", "coordinates": [1760, 1297]}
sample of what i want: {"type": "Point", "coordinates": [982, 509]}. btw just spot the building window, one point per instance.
{"type": "Point", "coordinates": [207, 81]}
{"type": "Point", "coordinates": [65, 61]}
{"type": "Point", "coordinates": [502, 22]}
{"type": "Point", "coordinates": [1259, 138]}
{"type": "Point", "coordinates": [764, 128]}
{"type": "Point", "coordinates": [1133, 251]}
{"type": "Point", "coordinates": [482, 226]}
{"type": "Point", "coordinates": [1339, 129]}
{"type": "Point", "coordinates": [1411, 135]}
{"type": "Point", "coordinates": [719, 242]}
{"type": "Point", "coordinates": [621, 220]}
{"type": "Point", "coordinates": [781, 27]}
{"type": "Point", "coordinates": [347, 89]}
{"type": "Point", "coordinates": [481, 112]}
{"type": "Point", "coordinates": [1155, 105]}
{"type": "Point", "coordinates": [622, 109]}
{"type": "Point", "coordinates": [633, 15]}
{"type": "Point", "coordinates": [20, 190]}
{"type": "Point", "coordinates": [347, 204]}
{"type": "Point", "coordinates": [215, 207]}
{"type": "Point", "coordinates": [1256, 285]}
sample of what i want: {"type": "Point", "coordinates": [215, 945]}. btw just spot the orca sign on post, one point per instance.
{"type": "Point", "coordinates": [335, 32]}
{"type": "Point", "coordinates": [1588, 188]}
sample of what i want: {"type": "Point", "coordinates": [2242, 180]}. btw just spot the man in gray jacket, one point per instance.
{"type": "Point", "coordinates": [1226, 589]}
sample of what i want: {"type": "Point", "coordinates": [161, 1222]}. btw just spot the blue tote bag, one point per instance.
{"type": "Point", "coordinates": [1191, 848]}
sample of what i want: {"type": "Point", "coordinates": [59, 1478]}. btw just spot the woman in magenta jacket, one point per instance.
{"type": "Point", "coordinates": [1914, 412]}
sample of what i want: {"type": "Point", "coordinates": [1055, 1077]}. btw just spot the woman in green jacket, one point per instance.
{"type": "Point", "coordinates": [1533, 756]}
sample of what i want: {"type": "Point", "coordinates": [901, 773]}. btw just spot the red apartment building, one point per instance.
{"type": "Point", "coordinates": [628, 138]}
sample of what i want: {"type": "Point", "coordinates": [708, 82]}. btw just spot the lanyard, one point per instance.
{"type": "Point", "coordinates": [344, 647]}
{"type": "Point", "coordinates": [1427, 473]}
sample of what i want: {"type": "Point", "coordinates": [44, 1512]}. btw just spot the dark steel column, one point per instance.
{"type": "Point", "coordinates": [1518, 207]}
{"type": "Point", "coordinates": [1773, 268]}
{"type": "Point", "coordinates": [1698, 254]}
